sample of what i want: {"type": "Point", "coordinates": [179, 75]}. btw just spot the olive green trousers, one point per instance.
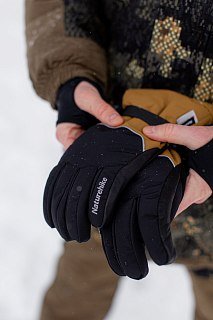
{"type": "Point", "coordinates": [85, 285]}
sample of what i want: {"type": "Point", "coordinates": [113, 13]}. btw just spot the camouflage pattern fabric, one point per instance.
{"type": "Point", "coordinates": [162, 45]}
{"type": "Point", "coordinates": [193, 236]}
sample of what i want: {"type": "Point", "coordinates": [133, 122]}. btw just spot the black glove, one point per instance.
{"type": "Point", "coordinates": [145, 209]}
{"type": "Point", "coordinates": [68, 111]}
{"type": "Point", "coordinates": [201, 160]}
{"type": "Point", "coordinates": [142, 218]}
{"type": "Point", "coordinates": [83, 188]}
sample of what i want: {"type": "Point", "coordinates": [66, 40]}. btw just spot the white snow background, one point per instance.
{"type": "Point", "coordinates": [29, 249]}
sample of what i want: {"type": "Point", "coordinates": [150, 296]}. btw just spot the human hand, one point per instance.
{"type": "Point", "coordinates": [67, 133]}
{"type": "Point", "coordinates": [197, 189]}
{"type": "Point", "coordinates": [88, 99]}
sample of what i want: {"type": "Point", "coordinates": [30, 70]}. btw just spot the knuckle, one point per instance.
{"type": "Point", "coordinates": [86, 97]}
{"type": "Point", "coordinates": [63, 131]}
{"type": "Point", "coordinates": [102, 110]}
{"type": "Point", "coordinates": [169, 130]}
{"type": "Point", "coordinates": [99, 109]}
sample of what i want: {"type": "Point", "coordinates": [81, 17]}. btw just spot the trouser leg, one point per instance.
{"type": "Point", "coordinates": [84, 285]}
{"type": "Point", "coordinates": [202, 281]}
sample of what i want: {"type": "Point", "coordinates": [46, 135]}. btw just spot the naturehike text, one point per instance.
{"type": "Point", "coordinates": [100, 189]}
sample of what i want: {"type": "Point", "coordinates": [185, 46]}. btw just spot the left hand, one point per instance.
{"type": "Point", "coordinates": [67, 133]}
{"type": "Point", "coordinates": [88, 99]}
{"type": "Point", "coordinates": [197, 190]}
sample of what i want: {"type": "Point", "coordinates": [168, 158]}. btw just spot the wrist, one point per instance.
{"type": "Point", "coordinates": [201, 161]}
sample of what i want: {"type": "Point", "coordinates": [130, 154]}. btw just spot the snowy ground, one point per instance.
{"type": "Point", "coordinates": [28, 248]}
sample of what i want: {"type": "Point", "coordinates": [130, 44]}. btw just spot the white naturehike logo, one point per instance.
{"type": "Point", "coordinates": [188, 119]}
{"type": "Point", "coordinates": [100, 189]}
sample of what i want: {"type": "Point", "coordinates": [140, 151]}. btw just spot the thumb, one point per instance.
{"type": "Point", "coordinates": [191, 137]}
{"type": "Point", "coordinates": [89, 99]}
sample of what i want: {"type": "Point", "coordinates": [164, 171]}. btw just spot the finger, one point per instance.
{"type": "Point", "coordinates": [66, 210]}
{"type": "Point", "coordinates": [196, 191]}
{"type": "Point", "coordinates": [128, 241]}
{"type": "Point", "coordinates": [100, 193]}
{"type": "Point", "coordinates": [157, 206]}
{"type": "Point", "coordinates": [88, 99]}
{"type": "Point", "coordinates": [67, 133]}
{"type": "Point", "coordinates": [60, 217]}
{"type": "Point", "coordinates": [59, 190]}
{"type": "Point", "coordinates": [192, 137]}
{"type": "Point", "coordinates": [107, 237]}
{"type": "Point", "coordinates": [123, 244]}
{"type": "Point", "coordinates": [48, 192]}
{"type": "Point", "coordinates": [77, 220]}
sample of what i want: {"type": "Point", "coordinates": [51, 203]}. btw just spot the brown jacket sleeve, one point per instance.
{"type": "Point", "coordinates": [58, 49]}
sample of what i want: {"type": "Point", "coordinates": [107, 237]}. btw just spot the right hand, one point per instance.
{"type": "Point", "coordinates": [88, 99]}
{"type": "Point", "coordinates": [197, 190]}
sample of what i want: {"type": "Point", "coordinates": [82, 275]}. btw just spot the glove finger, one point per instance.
{"type": "Point", "coordinates": [173, 191]}
{"type": "Point", "coordinates": [58, 195]}
{"type": "Point", "coordinates": [128, 241]}
{"type": "Point", "coordinates": [99, 195]}
{"type": "Point", "coordinates": [48, 191]}
{"type": "Point", "coordinates": [77, 220]}
{"type": "Point", "coordinates": [60, 222]}
{"type": "Point", "coordinates": [201, 161]}
{"type": "Point", "coordinates": [107, 236]}
{"type": "Point", "coordinates": [156, 208]}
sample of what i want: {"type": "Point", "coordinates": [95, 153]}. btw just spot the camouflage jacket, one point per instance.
{"type": "Point", "coordinates": [166, 44]}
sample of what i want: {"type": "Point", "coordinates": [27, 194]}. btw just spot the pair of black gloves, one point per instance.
{"type": "Point", "coordinates": [123, 183]}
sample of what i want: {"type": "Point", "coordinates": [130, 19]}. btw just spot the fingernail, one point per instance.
{"type": "Point", "coordinates": [149, 130]}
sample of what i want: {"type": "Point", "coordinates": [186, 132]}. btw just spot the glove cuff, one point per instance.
{"type": "Point", "coordinates": [201, 161]}
{"type": "Point", "coordinates": [68, 111]}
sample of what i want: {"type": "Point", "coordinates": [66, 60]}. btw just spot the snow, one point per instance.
{"type": "Point", "coordinates": [29, 249]}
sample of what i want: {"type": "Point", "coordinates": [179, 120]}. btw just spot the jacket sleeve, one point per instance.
{"type": "Point", "coordinates": [65, 39]}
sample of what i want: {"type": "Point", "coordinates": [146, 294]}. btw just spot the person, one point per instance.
{"type": "Point", "coordinates": [82, 56]}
